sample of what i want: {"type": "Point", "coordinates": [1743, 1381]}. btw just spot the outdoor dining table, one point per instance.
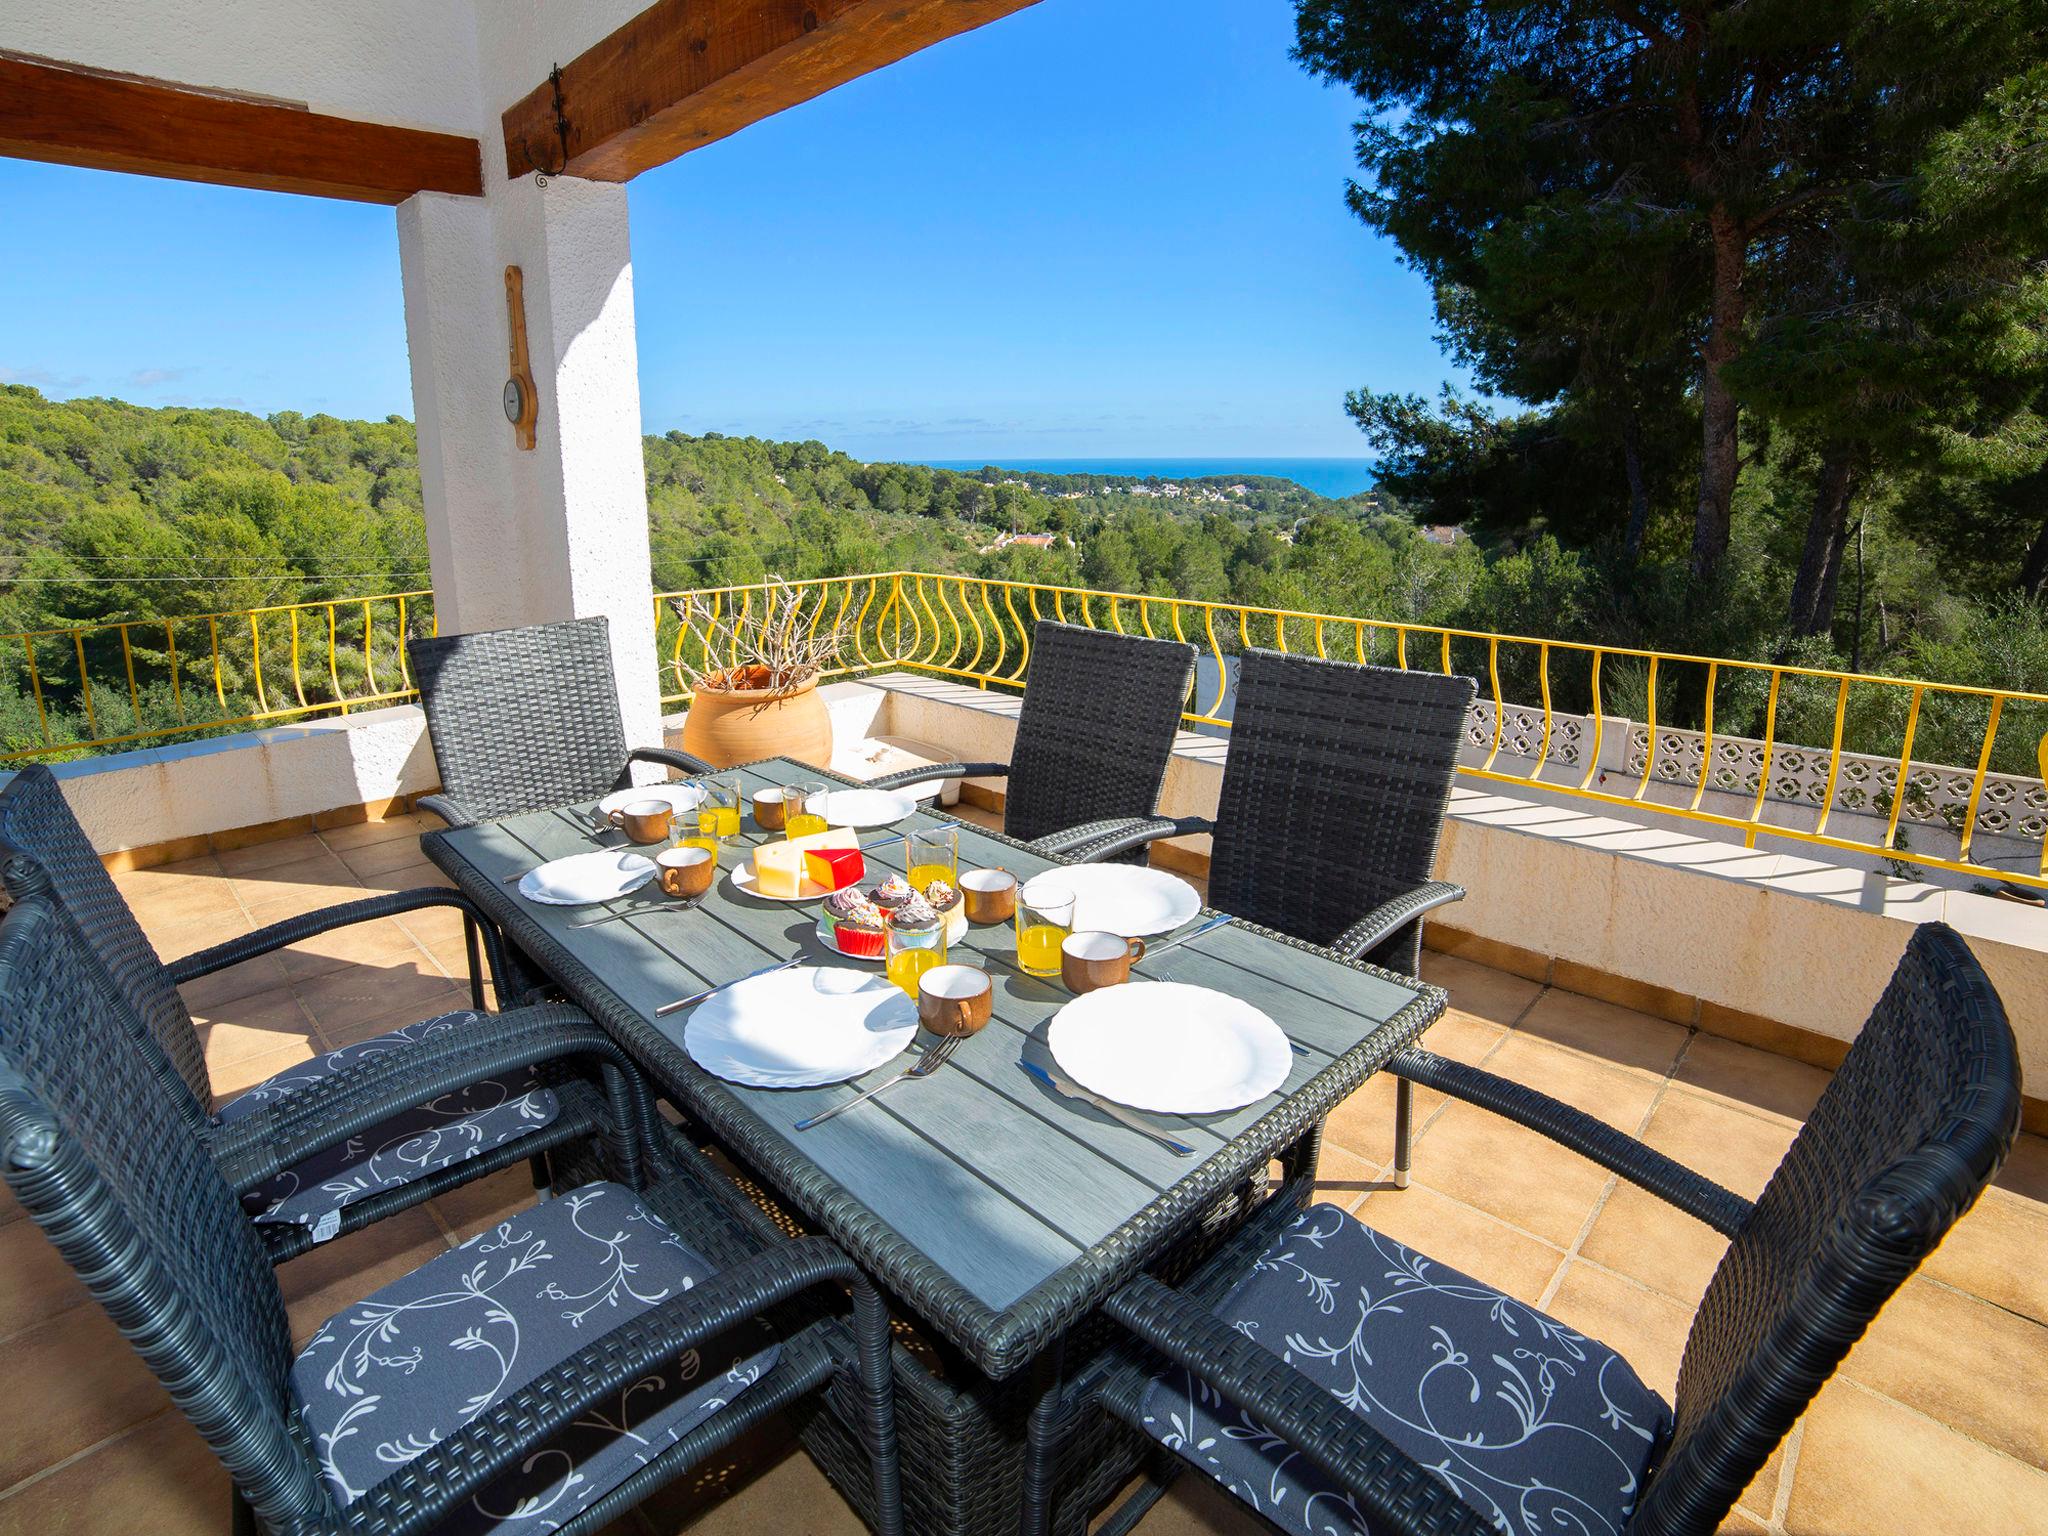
{"type": "Point", "coordinates": [998, 1213]}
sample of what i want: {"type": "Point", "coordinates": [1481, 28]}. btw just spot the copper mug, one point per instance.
{"type": "Point", "coordinates": [644, 821]}
{"type": "Point", "coordinates": [769, 809]}
{"type": "Point", "coordinates": [1092, 959]}
{"type": "Point", "coordinates": [954, 999]}
{"type": "Point", "coordinates": [685, 872]}
{"type": "Point", "coordinates": [990, 894]}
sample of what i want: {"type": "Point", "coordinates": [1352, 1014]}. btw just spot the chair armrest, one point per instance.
{"type": "Point", "coordinates": [262, 1144]}
{"type": "Point", "coordinates": [292, 930]}
{"type": "Point", "coordinates": [1389, 917]}
{"type": "Point", "coordinates": [939, 771]}
{"type": "Point", "coordinates": [1397, 1493]}
{"type": "Point", "coordinates": [447, 808]}
{"type": "Point", "coordinates": [669, 757]}
{"type": "Point", "coordinates": [1674, 1183]}
{"type": "Point", "coordinates": [1094, 841]}
{"type": "Point", "coordinates": [422, 1492]}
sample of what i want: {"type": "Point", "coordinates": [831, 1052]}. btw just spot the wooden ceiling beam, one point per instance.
{"type": "Point", "coordinates": [684, 73]}
{"type": "Point", "coordinates": [77, 116]}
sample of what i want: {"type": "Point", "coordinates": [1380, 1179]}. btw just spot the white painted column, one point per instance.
{"type": "Point", "coordinates": [560, 531]}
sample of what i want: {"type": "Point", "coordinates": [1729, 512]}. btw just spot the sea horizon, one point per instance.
{"type": "Point", "coordinates": [1331, 477]}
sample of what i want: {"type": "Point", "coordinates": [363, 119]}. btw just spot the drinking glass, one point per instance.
{"type": "Point", "coordinates": [718, 815]}
{"type": "Point", "coordinates": [914, 948]}
{"type": "Point", "coordinates": [802, 810]}
{"type": "Point", "coordinates": [710, 842]}
{"type": "Point", "coordinates": [1045, 916]}
{"type": "Point", "coordinates": [933, 854]}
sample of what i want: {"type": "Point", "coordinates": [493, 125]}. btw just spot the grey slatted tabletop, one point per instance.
{"type": "Point", "coordinates": [1000, 1211]}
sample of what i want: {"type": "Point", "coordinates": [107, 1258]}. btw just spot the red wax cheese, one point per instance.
{"type": "Point", "coordinates": [834, 868]}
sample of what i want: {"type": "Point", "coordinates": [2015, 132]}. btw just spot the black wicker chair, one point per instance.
{"type": "Point", "coordinates": [474, 1092]}
{"type": "Point", "coordinates": [563, 1364]}
{"type": "Point", "coordinates": [1914, 1124]}
{"type": "Point", "coordinates": [1093, 737]}
{"type": "Point", "coordinates": [1332, 806]}
{"type": "Point", "coordinates": [525, 719]}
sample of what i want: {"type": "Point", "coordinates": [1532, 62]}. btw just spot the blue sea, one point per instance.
{"type": "Point", "coordinates": [1326, 477]}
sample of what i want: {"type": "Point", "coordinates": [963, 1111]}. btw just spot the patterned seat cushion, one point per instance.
{"type": "Point", "coordinates": [1538, 1428]}
{"type": "Point", "coordinates": [430, 1136]}
{"type": "Point", "coordinates": [385, 1380]}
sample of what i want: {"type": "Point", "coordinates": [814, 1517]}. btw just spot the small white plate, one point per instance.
{"type": "Point", "coordinates": [956, 930]}
{"type": "Point", "coordinates": [862, 808]}
{"type": "Point", "coordinates": [682, 797]}
{"type": "Point", "coordinates": [1170, 1048]}
{"type": "Point", "coordinates": [744, 882]}
{"type": "Point", "coordinates": [801, 1027]}
{"type": "Point", "coordinates": [1128, 899]}
{"type": "Point", "coordinates": [583, 878]}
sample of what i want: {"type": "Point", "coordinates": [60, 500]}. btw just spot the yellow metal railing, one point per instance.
{"type": "Point", "coordinates": [1789, 751]}
{"type": "Point", "coordinates": [86, 689]}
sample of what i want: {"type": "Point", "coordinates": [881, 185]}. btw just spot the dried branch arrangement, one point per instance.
{"type": "Point", "coordinates": [766, 645]}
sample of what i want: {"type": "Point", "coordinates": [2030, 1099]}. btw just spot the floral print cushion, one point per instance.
{"type": "Point", "coordinates": [387, 1379]}
{"type": "Point", "coordinates": [463, 1124]}
{"type": "Point", "coordinates": [1537, 1427]}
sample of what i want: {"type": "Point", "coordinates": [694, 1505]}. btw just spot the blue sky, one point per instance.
{"type": "Point", "coordinates": [1098, 228]}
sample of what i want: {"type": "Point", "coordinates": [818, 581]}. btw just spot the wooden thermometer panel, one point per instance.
{"type": "Point", "coordinates": [522, 402]}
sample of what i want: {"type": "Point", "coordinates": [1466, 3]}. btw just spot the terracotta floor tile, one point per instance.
{"type": "Point", "coordinates": [1641, 1237]}
{"type": "Point", "coordinates": [1614, 1094]}
{"type": "Point", "coordinates": [452, 960]}
{"type": "Point", "coordinates": [71, 1382]}
{"type": "Point", "coordinates": [205, 866]}
{"type": "Point", "coordinates": [1733, 1147]}
{"type": "Point", "coordinates": [1466, 1239]}
{"type": "Point", "coordinates": [376, 858]}
{"type": "Point", "coordinates": [1508, 1172]}
{"type": "Point", "coordinates": [2026, 1169]}
{"type": "Point", "coordinates": [1195, 1506]}
{"type": "Point", "coordinates": [374, 944]}
{"type": "Point", "coordinates": [364, 834]}
{"type": "Point", "coordinates": [1869, 1467]}
{"type": "Point", "coordinates": [1999, 1252]}
{"type": "Point", "coordinates": [337, 1274]}
{"type": "Point", "coordinates": [1975, 1367]}
{"type": "Point", "coordinates": [10, 1208]}
{"type": "Point", "coordinates": [790, 1497]}
{"type": "Point", "coordinates": [1742, 1077]}
{"type": "Point", "coordinates": [482, 1203]}
{"type": "Point", "coordinates": [433, 926]}
{"type": "Point", "coordinates": [217, 992]}
{"type": "Point", "coordinates": [1463, 1037]}
{"type": "Point", "coordinates": [1479, 990]}
{"type": "Point", "coordinates": [1645, 1328]}
{"type": "Point", "coordinates": [1343, 1178]}
{"type": "Point", "coordinates": [250, 1027]}
{"type": "Point", "coordinates": [1364, 1123]}
{"type": "Point", "coordinates": [234, 1077]}
{"type": "Point", "coordinates": [274, 903]}
{"type": "Point", "coordinates": [160, 1478]}
{"type": "Point", "coordinates": [184, 899]}
{"type": "Point", "coordinates": [238, 863]}
{"type": "Point", "coordinates": [188, 935]}
{"type": "Point", "coordinates": [35, 1282]}
{"type": "Point", "coordinates": [1605, 1031]}
{"type": "Point", "coordinates": [343, 1000]}
{"type": "Point", "coordinates": [407, 877]}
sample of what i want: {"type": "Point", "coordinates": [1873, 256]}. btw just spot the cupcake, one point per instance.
{"type": "Point", "coordinates": [942, 897]}
{"type": "Point", "coordinates": [857, 923]}
{"type": "Point", "coordinates": [914, 913]}
{"type": "Point", "coordinates": [892, 893]}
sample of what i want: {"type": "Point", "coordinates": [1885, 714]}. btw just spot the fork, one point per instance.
{"type": "Point", "coordinates": [927, 1064]}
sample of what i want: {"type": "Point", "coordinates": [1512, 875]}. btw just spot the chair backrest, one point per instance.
{"type": "Point", "coordinates": [522, 719]}
{"type": "Point", "coordinates": [1096, 729]}
{"type": "Point", "coordinates": [1914, 1124]}
{"type": "Point", "coordinates": [36, 824]}
{"type": "Point", "coordinates": [98, 1152]}
{"type": "Point", "coordinates": [1334, 792]}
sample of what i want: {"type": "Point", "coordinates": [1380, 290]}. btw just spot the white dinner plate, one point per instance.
{"type": "Point", "coordinates": [583, 878]}
{"type": "Point", "coordinates": [1170, 1048]}
{"type": "Point", "coordinates": [862, 808]}
{"type": "Point", "coordinates": [744, 882]}
{"type": "Point", "coordinates": [1128, 899]}
{"type": "Point", "coordinates": [682, 797]}
{"type": "Point", "coordinates": [801, 1027]}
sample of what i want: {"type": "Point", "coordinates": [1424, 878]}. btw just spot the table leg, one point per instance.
{"type": "Point", "coordinates": [1404, 1119]}
{"type": "Point", "coordinates": [1041, 1442]}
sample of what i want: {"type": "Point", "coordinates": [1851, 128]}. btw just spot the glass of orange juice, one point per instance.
{"type": "Point", "coordinates": [932, 854]}
{"type": "Point", "coordinates": [718, 813]}
{"type": "Point", "coordinates": [1045, 916]}
{"type": "Point", "coordinates": [802, 809]}
{"type": "Point", "coordinates": [914, 946]}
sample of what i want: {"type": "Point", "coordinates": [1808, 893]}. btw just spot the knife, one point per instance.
{"type": "Point", "coordinates": [698, 997]}
{"type": "Point", "coordinates": [1222, 919]}
{"type": "Point", "coordinates": [1115, 1112]}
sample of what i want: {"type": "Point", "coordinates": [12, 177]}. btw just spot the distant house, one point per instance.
{"type": "Point", "coordinates": [1032, 540]}
{"type": "Point", "coordinates": [1443, 533]}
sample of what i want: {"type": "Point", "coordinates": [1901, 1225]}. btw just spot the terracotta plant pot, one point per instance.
{"type": "Point", "coordinates": [733, 719]}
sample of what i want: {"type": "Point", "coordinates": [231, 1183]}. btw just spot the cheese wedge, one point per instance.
{"type": "Point", "coordinates": [779, 867]}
